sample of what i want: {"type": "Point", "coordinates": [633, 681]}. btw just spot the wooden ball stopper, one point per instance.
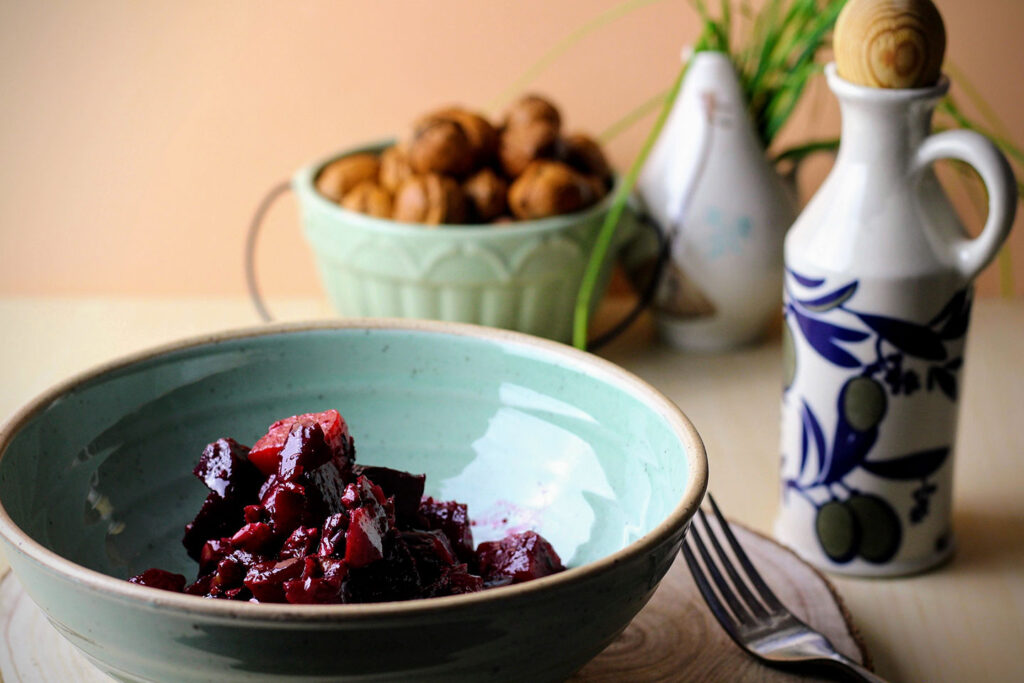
{"type": "Point", "coordinates": [890, 43]}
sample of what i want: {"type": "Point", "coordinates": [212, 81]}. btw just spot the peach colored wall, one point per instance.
{"type": "Point", "coordinates": [137, 137]}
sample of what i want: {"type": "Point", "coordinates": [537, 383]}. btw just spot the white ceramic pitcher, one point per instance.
{"type": "Point", "coordinates": [877, 297]}
{"type": "Point", "coordinates": [708, 185]}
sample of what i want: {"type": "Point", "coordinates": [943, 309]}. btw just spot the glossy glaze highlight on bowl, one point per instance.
{"type": "Point", "coordinates": [95, 486]}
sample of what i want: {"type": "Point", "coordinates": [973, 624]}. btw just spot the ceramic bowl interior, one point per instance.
{"type": "Point", "coordinates": [529, 433]}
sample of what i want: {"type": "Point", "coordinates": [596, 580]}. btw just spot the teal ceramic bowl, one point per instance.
{"type": "Point", "coordinates": [96, 485]}
{"type": "Point", "coordinates": [522, 276]}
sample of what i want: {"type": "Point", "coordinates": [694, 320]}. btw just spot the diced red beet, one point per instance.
{"type": "Point", "coordinates": [313, 591]}
{"type": "Point", "coordinates": [319, 529]}
{"type": "Point", "coordinates": [431, 552]}
{"type": "Point", "coordinates": [321, 582]}
{"type": "Point", "coordinates": [369, 522]}
{"type": "Point", "coordinates": [362, 492]}
{"type": "Point", "coordinates": [517, 558]}
{"type": "Point", "coordinates": [301, 543]}
{"type": "Point", "coordinates": [201, 586]}
{"type": "Point", "coordinates": [364, 539]}
{"type": "Point", "coordinates": [239, 593]}
{"type": "Point", "coordinates": [306, 459]}
{"type": "Point", "coordinates": [254, 513]}
{"type": "Point", "coordinates": [212, 553]}
{"type": "Point", "coordinates": [224, 469]}
{"type": "Point", "coordinates": [392, 578]}
{"type": "Point", "coordinates": [265, 452]}
{"type": "Point", "coordinates": [451, 518]}
{"type": "Point", "coordinates": [405, 488]}
{"type": "Point", "coordinates": [266, 579]}
{"type": "Point", "coordinates": [458, 580]}
{"type": "Point", "coordinates": [230, 572]}
{"type": "Point", "coordinates": [287, 507]}
{"type": "Point", "coordinates": [304, 450]}
{"type": "Point", "coordinates": [253, 538]}
{"type": "Point", "coordinates": [216, 518]}
{"type": "Point", "coordinates": [158, 578]}
{"type": "Point", "coordinates": [333, 568]}
{"type": "Point", "coordinates": [268, 484]}
{"type": "Point", "coordinates": [332, 538]}
{"type": "Point", "coordinates": [325, 486]}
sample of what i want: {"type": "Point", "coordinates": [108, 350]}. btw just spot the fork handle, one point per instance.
{"type": "Point", "coordinates": [853, 670]}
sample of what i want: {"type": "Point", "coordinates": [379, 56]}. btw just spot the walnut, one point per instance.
{"type": "Point", "coordinates": [394, 168]}
{"type": "Point", "coordinates": [530, 109]}
{"type": "Point", "coordinates": [338, 177]}
{"type": "Point", "coordinates": [483, 137]}
{"type": "Point", "coordinates": [549, 188]}
{"type": "Point", "coordinates": [370, 198]}
{"type": "Point", "coordinates": [440, 145]}
{"type": "Point", "coordinates": [431, 199]}
{"type": "Point", "coordinates": [518, 146]}
{"type": "Point", "coordinates": [598, 186]}
{"type": "Point", "coordinates": [486, 192]}
{"type": "Point", "coordinates": [585, 155]}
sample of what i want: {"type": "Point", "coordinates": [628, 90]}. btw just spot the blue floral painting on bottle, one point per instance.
{"type": "Point", "coordinates": [907, 357]}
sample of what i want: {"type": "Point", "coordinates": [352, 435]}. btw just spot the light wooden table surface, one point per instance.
{"type": "Point", "coordinates": [962, 622]}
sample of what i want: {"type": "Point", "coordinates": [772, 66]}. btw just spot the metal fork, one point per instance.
{"type": "Point", "coordinates": [763, 627]}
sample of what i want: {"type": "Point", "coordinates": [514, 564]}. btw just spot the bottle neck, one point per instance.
{"type": "Point", "coordinates": [883, 128]}
{"type": "Point", "coordinates": [884, 135]}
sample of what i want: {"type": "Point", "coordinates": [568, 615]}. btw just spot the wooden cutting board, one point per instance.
{"type": "Point", "coordinates": [674, 638]}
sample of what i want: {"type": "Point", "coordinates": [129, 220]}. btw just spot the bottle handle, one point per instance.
{"type": "Point", "coordinates": [970, 256]}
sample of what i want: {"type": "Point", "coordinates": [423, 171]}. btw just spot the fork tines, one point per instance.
{"type": "Point", "coordinates": [744, 609]}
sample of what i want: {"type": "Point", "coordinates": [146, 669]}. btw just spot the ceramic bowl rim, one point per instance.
{"type": "Point", "coordinates": [595, 366]}
{"type": "Point", "coordinates": [302, 182]}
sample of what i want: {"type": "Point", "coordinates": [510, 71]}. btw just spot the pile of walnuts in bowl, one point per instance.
{"type": "Point", "coordinates": [456, 167]}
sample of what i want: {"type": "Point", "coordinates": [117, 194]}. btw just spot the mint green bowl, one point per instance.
{"type": "Point", "coordinates": [519, 276]}
{"type": "Point", "coordinates": [96, 485]}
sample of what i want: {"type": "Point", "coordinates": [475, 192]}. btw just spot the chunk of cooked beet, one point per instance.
{"type": "Point", "coordinates": [319, 529]}
{"type": "Point", "coordinates": [451, 518]}
{"type": "Point", "coordinates": [405, 488]}
{"type": "Point", "coordinates": [287, 507]}
{"type": "Point", "coordinates": [369, 522]}
{"type": "Point", "coordinates": [304, 450]}
{"type": "Point", "coordinates": [266, 579]}
{"type": "Point", "coordinates": [456, 580]}
{"type": "Point", "coordinates": [212, 553]}
{"type": "Point", "coordinates": [241, 594]}
{"type": "Point", "coordinates": [517, 558]}
{"type": "Point", "coordinates": [302, 542]}
{"type": "Point", "coordinates": [332, 537]}
{"type": "Point", "coordinates": [394, 577]}
{"type": "Point", "coordinates": [306, 459]}
{"type": "Point", "coordinates": [265, 453]}
{"type": "Point", "coordinates": [322, 582]}
{"type": "Point", "coordinates": [230, 572]}
{"type": "Point", "coordinates": [224, 469]}
{"type": "Point", "coordinates": [159, 578]}
{"type": "Point", "coordinates": [254, 513]}
{"type": "Point", "coordinates": [326, 485]}
{"type": "Point", "coordinates": [217, 517]}
{"type": "Point", "coordinates": [432, 553]}
{"type": "Point", "coordinates": [254, 538]}
{"type": "Point", "coordinates": [362, 492]}
{"type": "Point", "coordinates": [364, 538]}
{"type": "Point", "coordinates": [201, 586]}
